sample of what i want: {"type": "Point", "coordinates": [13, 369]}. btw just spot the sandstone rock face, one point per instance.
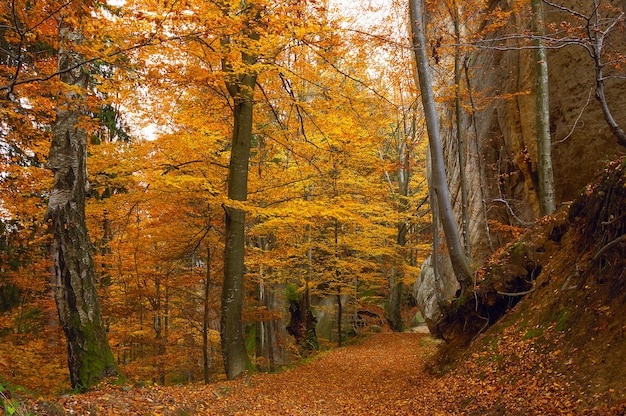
{"type": "Point", "coordinates": [500, 143]}
{"type": "Point", "coordinates": [431, 289]}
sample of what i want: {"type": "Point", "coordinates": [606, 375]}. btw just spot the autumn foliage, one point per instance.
{"type": "Point", "coordinates": [337, 208]}
{"type": "Point", "coordinates": [323, 204]}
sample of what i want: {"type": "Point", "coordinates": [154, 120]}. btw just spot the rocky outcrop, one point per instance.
{"type": "Point", "coordinates": [431, 289]}
{"type": "Point", "coordinates": [500, 142]}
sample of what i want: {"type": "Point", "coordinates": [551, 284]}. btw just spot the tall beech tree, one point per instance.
{"type": "Point", "coordinates": [402, 150]}
{"type": "Point", "coordinates": [240, 84]}
{"type": "Point", "coordinates": [439, 183]}
{"type": "Point", "coordinates": [89, 356]}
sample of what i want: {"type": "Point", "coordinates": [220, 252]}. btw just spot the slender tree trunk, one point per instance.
{"type": "Point", "coordinates": [596, 36]}
{"type": "Point", "coordinates": [89, 356]}
{"type": "Point", "coordinates": [544, 142]}
{"type": "Point", "coordinates": [615, 128]}
{"type": "Point", "coordinates": [339, 316]}
{"type": "Point", "coordinates": [396, 292]}
{"type": "Point", "coordinates": [337, 277]}
{"type": "Point", "coordinates": [439, 183]}
{"type": "Point", "coordinates": [206, 361]}
{"type": "Point", "coordinates": [266, 329]}
{"type": "Point", "coordinates": [241, 88]}
{"type": "Point", "coordinates": [434, 259]}
{"type": "Point", "coordinates": [260, 330]}
{"type": "Point", "coordinates": [396, 283]}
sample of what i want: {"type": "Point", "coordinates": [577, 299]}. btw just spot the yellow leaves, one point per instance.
{"type": "Point", "coordinates": [185, 183]}
{"type": "Point", "coordinates": [316, 184]}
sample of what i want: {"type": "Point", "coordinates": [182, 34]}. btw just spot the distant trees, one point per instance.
{"type": "Point", "coordinates": [308, 205]}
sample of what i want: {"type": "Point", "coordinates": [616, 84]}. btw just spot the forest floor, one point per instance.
{"type": "Point", "coordinates": [383, 374]}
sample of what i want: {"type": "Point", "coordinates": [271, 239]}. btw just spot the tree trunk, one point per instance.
{"type": "Point", "coordinates": [337, 279]}
{"type": "Point", "coordinates": [459, 132]}
{"type": "Point", "coordinates": [236, 361]}
{"type": "Point", "coordinates": [396, 291]}
{"type": "Point", "coordinates": [617, 131]}
{"type": "Point", "coordinates": [206, 360]}
{"type": "Point", "coordinates": [89, 356]}
{"type": "Point", "coordinates": [440, 186]}
{"type": "Point", "coordinates": [266, 329]}
{"type": "Point", "coordinates": [339, 315]}
{"type": "Point", "coordinates": [396, 285]}
{"type": "Point", "coordinates": [241, 88]}
{"type": "Point", "coordinates": [435, 254]}
{"type": "Point", "coordinates": [544, 144]}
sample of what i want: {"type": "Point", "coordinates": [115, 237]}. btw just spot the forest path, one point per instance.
{"type": "Point", "coordinates": [380, 375]}
{"type": "Point", "coordinates": [384, 374]}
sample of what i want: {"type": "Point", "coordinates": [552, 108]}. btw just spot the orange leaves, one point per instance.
{"type": "Point", "coordinates": [385, 374]}
{"type": "Point", "coordinates": [316, 184]}
{"type": "Point", "coordinates": [23, 353]}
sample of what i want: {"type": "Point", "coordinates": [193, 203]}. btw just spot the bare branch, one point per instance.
{"type": "Point", "coordinates": [508, 206]}
{"type": "Point", "coordinates": [566, 9]}
{"type": "Point", "coordinates": [582, 110]}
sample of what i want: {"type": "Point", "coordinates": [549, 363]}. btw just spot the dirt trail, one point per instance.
{"type": "Point", "coordinates": [378, 376]}
{"type": "Point", "coordinates": [383, 375]}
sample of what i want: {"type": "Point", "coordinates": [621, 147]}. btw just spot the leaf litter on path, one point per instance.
{"type": "Point", "coordinates": [384, 374]}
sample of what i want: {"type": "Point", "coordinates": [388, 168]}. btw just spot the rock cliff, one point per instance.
{"type": "Point", "coordinates": [500, 143]}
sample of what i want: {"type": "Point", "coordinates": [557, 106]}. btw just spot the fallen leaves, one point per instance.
{"type": "Point", "coordinates": [383, 375]}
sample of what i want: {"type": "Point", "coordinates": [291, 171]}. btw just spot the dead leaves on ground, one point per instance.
{"type": "Point", "coordinates": [383, 375]}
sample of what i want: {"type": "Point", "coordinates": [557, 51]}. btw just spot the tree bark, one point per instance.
{"type": "Point", "coordinates": [339, 316]}
{"type": "Point", "coordinates": [439, 183]}
{"type": "Point", "coordinates": [236, 360]}
{"type": "Point", "coordinates": [396, 284]}
{"type": "Point", "coordinates": [241, 88]}
{"type": "Point", "coordinates": [615, 128]}
{"type": "Point", "coordinates": [544, 143]}
{"type": "Point", "coordinates": [89, 356]}
{"type": "Point", "coordinates": [338, 280]}
{"type": "Point", "coordinates": [596, 38]}
{"type": "Point", "coordinates": [597, 29]}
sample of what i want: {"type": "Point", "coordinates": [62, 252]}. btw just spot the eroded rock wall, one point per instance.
{"type": "Point", "coordinates": [500, 139]}
{"type": "Point", "coordinates": [505, 146]}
